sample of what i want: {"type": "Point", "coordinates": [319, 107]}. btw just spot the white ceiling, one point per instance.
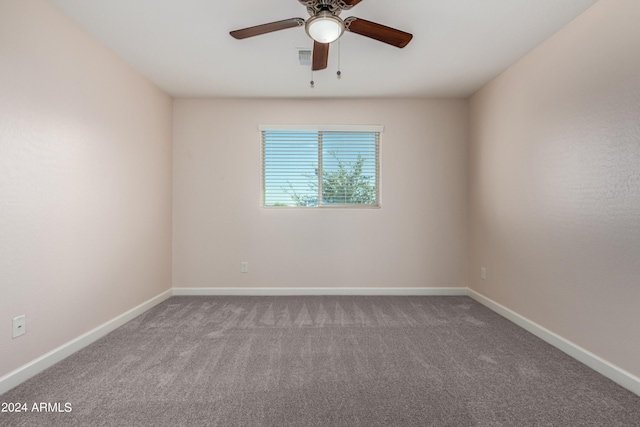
{"type": "Point", "coordinates": [185, 48]}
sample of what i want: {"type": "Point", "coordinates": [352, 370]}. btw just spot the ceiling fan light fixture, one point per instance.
{"type": "Point", "coordinates": [324, 27]}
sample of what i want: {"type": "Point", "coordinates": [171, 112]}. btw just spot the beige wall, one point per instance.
{"type": "Point", "coordinates": [417, 238]}
{"type": "Point", "coordinates": [85, 183]}
{"type": "Point", "coordinates": [555, 184]}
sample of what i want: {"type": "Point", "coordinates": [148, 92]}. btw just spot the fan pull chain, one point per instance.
{"type": "Point", "coordinates": [339, 73]}
{"type": "Point", "coordinates": [312, 84]}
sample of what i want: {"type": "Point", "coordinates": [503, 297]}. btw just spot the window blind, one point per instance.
{"type": "Point", "coordinates": [320, 168]}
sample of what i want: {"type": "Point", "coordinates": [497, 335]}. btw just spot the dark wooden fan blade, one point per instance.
{"type": "Point", "coordinates": [320, 56]}
{"type": "Point", "coordinates": [267, 28]}
{"type": "Point", "coordinates": [351, 2]}
{"type": "Point", "coordinates": [377, 31]}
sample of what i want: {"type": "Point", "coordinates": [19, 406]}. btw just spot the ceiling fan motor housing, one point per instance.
{"type": "Point", "coordinates": [333, 6]}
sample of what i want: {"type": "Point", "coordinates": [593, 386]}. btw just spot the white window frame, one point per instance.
{"type": "Point", "coordinates": [324, 128]}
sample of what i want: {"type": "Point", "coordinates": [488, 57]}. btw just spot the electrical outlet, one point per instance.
{"type": "Point", "coordinates": [19, 326]}
{"type": "Point", "coordinates": [483, 273]}
{"type": "Point", "coordinates": [244, 267]}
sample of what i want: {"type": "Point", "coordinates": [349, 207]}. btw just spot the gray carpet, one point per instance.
{"type": "Point", "coordinates": [322, 361]}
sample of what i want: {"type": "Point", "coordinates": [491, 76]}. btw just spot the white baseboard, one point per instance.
{"type": "Point", "coordinates": [18, 376]}
{"type": "Point", "coordinates": [319, 291]}
{"type": "Point", "coordinates": [598, 364]}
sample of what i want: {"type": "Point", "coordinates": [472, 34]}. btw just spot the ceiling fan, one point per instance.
{"type": "Point", "coordinates": [325, 26]}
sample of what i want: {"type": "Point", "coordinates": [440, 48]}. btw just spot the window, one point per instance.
{"type": "Point", "coordinates": [335, 166]}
